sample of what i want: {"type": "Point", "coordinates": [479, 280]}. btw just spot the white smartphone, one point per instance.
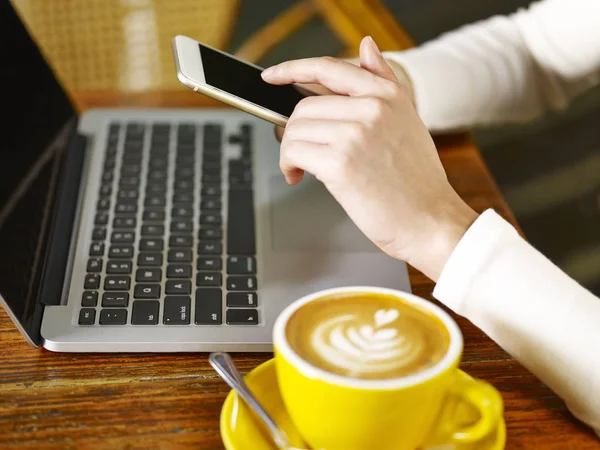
{"type": "Point", "coordinates": [237, 83]}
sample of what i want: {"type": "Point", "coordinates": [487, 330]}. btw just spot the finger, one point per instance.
{"type": "Point", "coordinates": [372, 60]}
{"type": "Point", "coordinates": [299, 156]}
{"type": "Point", "coordinates": [337, 107]}
{"type": "Point", "coordinates": [339, 76]}
{"type": "Point", "coordinates": [318, 131]}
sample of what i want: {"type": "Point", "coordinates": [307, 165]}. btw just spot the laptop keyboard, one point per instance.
{"type": "Point", "coordinates": [159, 252]}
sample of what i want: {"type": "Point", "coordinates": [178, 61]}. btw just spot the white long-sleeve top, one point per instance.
{"type": "Point", "coordinates": [508, 69]}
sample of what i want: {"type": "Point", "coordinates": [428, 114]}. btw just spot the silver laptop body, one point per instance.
{"type": "Point", "coordinates": [200, 254]}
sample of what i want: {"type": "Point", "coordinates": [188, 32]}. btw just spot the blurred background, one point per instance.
{"type": "Point", "coordinates": [549, 170]}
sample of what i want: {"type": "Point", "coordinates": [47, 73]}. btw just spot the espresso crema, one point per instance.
{"type": "Point", "coordinates": [367, 336]}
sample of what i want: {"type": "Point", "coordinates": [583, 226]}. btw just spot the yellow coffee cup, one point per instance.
{"type": "Point", "coordinates": [335, 412]}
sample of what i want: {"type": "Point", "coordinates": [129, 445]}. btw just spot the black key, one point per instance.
{"type": "Point", "coordinates": [117, 283]}
{"type": "Point", "coordinates": [107, 176]}
{"type": "Point", "coordinates": [99, 234]}
{"type": "Point", "coordinates": [183, 198]}
{"type": "Point", "coordinates": [101, 218]}
{"type": "Point", "coordinates": [208, 279]}
{"type": "Point", "coordinates": [94, 265]}
{"type": "Point", "coordinates": [145, 313]}
{"type": "Point", "coordinates": [182, 212]}
{"type": "Point", "coordinates": [210, 203]}
{"type": "Point", "coordinates": [211, 168]}
{"type": "Point", "coordinates": [211, 178]}
{"type": "Point", "coordinates": [242, 317]}
{"type": "Point", "coordinates": [115, 299]}
{"type": "Point", "coordinates": [118, 267]}
{"type": "Point", "coordinates": [92, 281]}
{"type": "Point", "coordinates": [151, 244]}
{"type": "Point", "coordinates": [128, 194]}
{"type": "Point", "coordinates": [122, 237]}
{"type": "Point", "coordinates": [184, 240]}
{"type": "Point", "coordinates": [211, 190]}
{"type": "Point", "coordinates": [239, 283]}
{"type": "Point", "coordinates": [211, 157]}
{"type": "Point", "coordinates": [242, 299]}
{"type": "Point", "coordinates": [148, 274]}
{"type": "Point", "coordinates": [241, 265]}
{"type": "Point", "coordinates": [210, 219]}
{"type": "Point", "coordinates": [239, 165]}
{"type": "Point", "coordinates": [97, 249]}
{"type": "Point", "coordinates": [131, 169]}
{"type": "Point", "coordinates": [178, 287]}
{"type": "Point", "coordinates": [126, 208]}
{"type": "Point", "coordinates": [87, 316]}
{"type": "Point", "coordinates": [208, 307]}
{"type": "Point", "coordinates": [158, 216]}
{"type": "Point", "coordinates": [156, 188]}
{"type": "Point", "coordinates": [150, 259]}
{"type": "Point", "coordinates": [124, 222]}
{"type": "Point", "coordinates": [126, 204]}
{"type": "Point", "coordinates": [157, 175]}
{"type": "Point", "coordinates": [89, 298]}
{"type": "Point", "coordinates": [179, 271]}
{"type": "Point", "coordinates": [182, 161]}
{"type": "Point", "coordinates": [147, 291]}
{"type": "Point", "coordinates": [177, 310]}
{"type": "Point", "coordinates": [113, 317]}
{"type": "Point", "coordinates": [241, 177]}
{"type": "Point", "coordinates": [184, 172]}
{"type": "Point", "coordinates": [106, 190]}
{"type": "Point", "coordinates": [182, 226]}
{"type": "Point", "coordinates": [183, 185]}
{"type": "Point", "coordinates": [209, 263]}
{"type": "Point", "coordinates": [120, 251]}
{"type": "Point", "coordinates": [158, 163]}
{"type": "Point", "coordinates": [153, 230]}
{"type": "Point", "coordinates": [103, 204]}
{"type": "Point", "coordinates": [155, 200]}
{"type": "Point", "coordinates": [210, 233]}
{"type": "Point", "coordinates": [240, 223]}
{"type": "Point", "coordinates": [210, 248]}
{"type": "Point", "coordinates": [129, 182]}
{"type": "Point", "coordinates": [180, 255]}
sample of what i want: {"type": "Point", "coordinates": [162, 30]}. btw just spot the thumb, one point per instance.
{"type": "Point", "coordinates": [371, 60]}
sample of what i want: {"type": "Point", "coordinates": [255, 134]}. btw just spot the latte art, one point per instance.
{"type": "Point", "coordinates": [367, 337]}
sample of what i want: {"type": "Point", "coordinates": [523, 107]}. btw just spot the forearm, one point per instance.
{"type": "Point", "coordinates": [506, 68]}
{"type": "Point", "coordinates": [530, 308]}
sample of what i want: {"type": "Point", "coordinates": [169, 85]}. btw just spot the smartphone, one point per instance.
{"type": "Point", "coordinates": [237, 83]}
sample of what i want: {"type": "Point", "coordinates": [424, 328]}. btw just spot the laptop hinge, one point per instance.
{"type": "Point", "coordinates": [57, 259]}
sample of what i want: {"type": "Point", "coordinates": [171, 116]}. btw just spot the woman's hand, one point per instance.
{"type": "Point", "coordinates": [367, 144]}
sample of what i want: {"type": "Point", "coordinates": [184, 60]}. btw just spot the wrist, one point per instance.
{"type": "Point", "coordinates": [440, 237]}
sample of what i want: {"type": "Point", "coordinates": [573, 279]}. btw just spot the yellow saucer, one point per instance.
{"type": "Point", "coordinates": [239, 427]}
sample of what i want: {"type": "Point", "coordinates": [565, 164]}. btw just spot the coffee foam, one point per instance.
{"type": "Point", "coordinates": [369, 336]}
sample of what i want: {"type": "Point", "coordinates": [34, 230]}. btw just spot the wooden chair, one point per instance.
{"type": "Point", "coordinates": [124, 44]}
{"type": "Point", "coordinates": [98, 45]}
{"type": "Point", "coordinates": [350, 21]}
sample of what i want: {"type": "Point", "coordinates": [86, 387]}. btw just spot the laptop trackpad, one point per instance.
{"type": "Point", "coordinates": [306, 218]}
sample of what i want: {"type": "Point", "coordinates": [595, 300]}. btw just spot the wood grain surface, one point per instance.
{"type": "Point", "coordinates": [172, 401]}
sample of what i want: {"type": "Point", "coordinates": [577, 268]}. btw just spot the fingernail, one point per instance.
{"type": "Point", "coordinates": [268, 72]}
{"type": "Point", "coordinates": [374, 45]}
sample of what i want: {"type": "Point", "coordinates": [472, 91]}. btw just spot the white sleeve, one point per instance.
{"type": "Point", "coordinates": [506, 68]}
{"type": "Point", "coordinates": [531, 308]}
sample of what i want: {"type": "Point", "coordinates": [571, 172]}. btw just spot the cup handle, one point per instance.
{"type": "Point", "coordinates": [482, 397]}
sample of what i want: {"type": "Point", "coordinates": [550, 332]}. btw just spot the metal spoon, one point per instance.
{"type": "Point", "coordinates": [225, 367]}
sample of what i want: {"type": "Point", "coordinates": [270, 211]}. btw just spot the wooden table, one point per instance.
{"type": "Point", "coordinates": [118, 401]}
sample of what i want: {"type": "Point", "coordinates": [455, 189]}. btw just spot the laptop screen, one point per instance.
{"type": "Point", "coordinates": [36, 119]}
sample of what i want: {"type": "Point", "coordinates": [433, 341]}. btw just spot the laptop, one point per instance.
{"type": "Point", "coordinates": [156, 230]}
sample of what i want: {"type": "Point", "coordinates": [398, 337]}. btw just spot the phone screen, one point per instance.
{"type": "Point", "coordinates": [244, 81]}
